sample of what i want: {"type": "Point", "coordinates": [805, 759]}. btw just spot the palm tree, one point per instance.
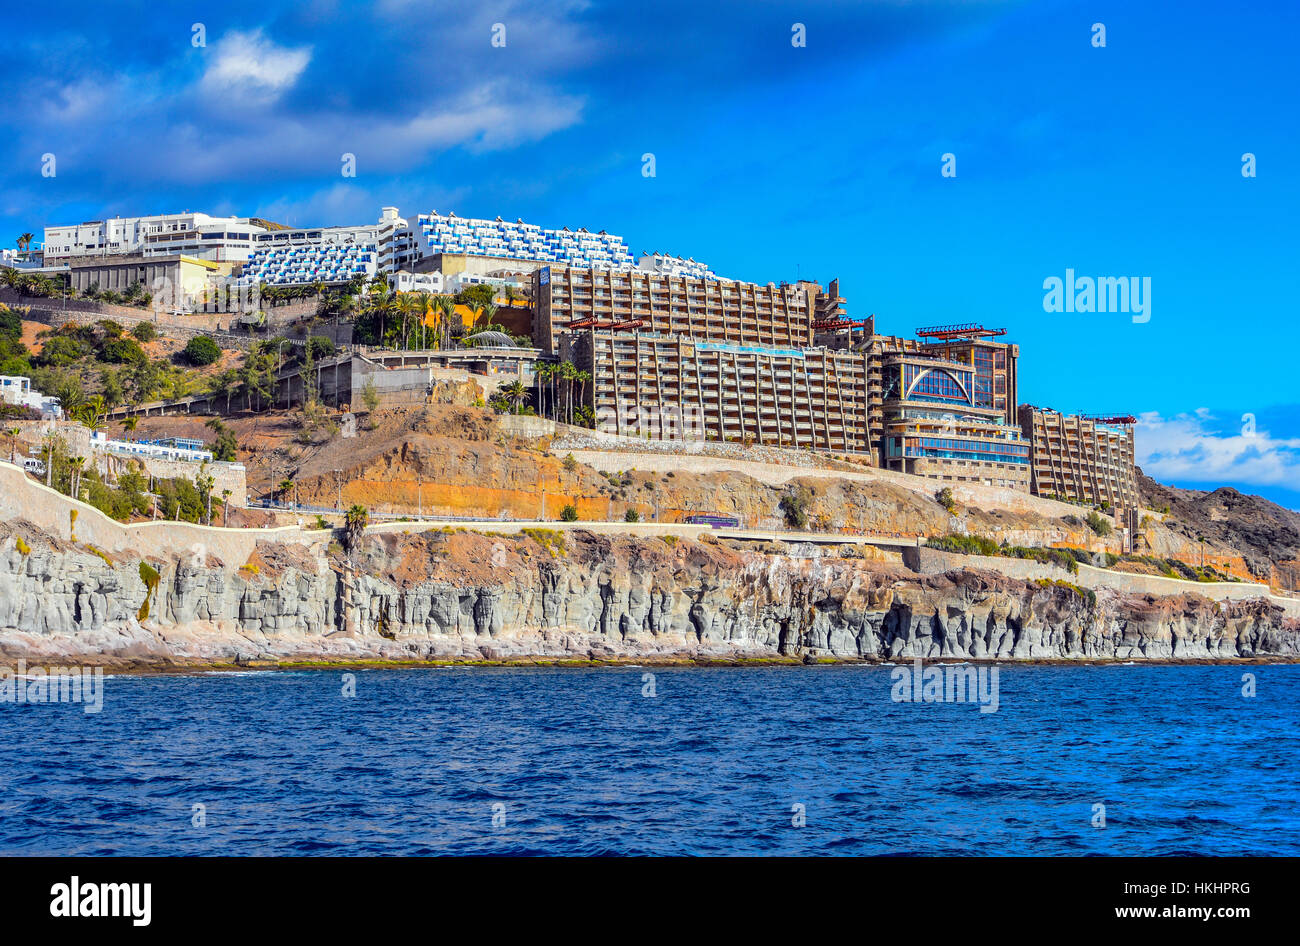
{"type": "Point", "coordinates": [92, 412]}
{"type": "Point", "coordinates": [129, 425]}
{"type": "Point", "coordinates": [422, 305]}
{"type": "Point", "coordinates": [284, 487]}
{"type": "Point", "coordinates": [569, 374]}
{"type": "Point", "coordinates": [355, 520]}
{"type": "Point", "coordinates": [24, 244]}
{"type": "Point", "coordinates": [74, 471]}
{"type": "Point", "coordinates": [52, 444]}
{"type": "Point", "coordinates": [541, 374]}
{"type": "Point", "coordinates": [582, 377]}
{"type": "Point", "coordinates": [514, 393]}
{"type": "Point", "coordinates": [408, 306]}
{"type": "Point", "coordinates": [446, 305]}
{"type": "Point", "coordinates": [225, 507]}
{"type": "Point", "coordinates": [12, 434]}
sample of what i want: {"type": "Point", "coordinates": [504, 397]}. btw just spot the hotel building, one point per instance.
{"type": "Point", "coordinates": [1082, 459]}
{"type": "Point", "coordinates": [695, 358]}
{"type": "Point", "coordinates": [198, 235]}
{"type": "Point", "coordinates": [935, 425]}
{"type": "Point", "coordinates": [652, 385]}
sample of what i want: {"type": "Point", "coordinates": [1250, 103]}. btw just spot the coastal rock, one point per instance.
{"type": "Point", "coordinates": [448, 595]}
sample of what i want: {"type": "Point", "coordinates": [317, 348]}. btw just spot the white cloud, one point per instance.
{"type": "Point", "coordinates": [1191, 448]}
{"type": "Point", "coordinates": [250, 67]}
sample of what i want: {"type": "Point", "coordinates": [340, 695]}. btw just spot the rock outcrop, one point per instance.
{"type": "Point", "coordinates": [469, 596]}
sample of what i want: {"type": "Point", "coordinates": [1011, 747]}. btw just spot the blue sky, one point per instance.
{"type": "Point", "coordinates": [772, 161]}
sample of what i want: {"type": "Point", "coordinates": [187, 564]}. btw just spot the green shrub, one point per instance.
{"type": "Point", "coordinates": [794, 507]}
{"type": "Point", "coordinates": [201, 351]}
{"type": "Point", "coordinates": [1099, 523]}
{"type": "Point", "coordinates": [122, 351]}
{"type": "Point", "coordinates": [569, 513]}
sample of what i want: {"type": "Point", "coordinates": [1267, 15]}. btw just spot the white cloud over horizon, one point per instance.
{"type": "Point", "coordinates": [1194, 447]}
{"type": "Point", "coordinates": [250, 68]}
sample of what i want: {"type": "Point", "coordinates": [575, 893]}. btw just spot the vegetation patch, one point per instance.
{"type": "Point", "coordinates": [150, 576]}
{"type": "Point", "coordinates": [550, 539]}
{"type": "Point", "coordinates": [1087, 595]}
{"type": "Point", "coordinates": [983, 545]}
{"type": "Point", "coordinates": [96, 550]}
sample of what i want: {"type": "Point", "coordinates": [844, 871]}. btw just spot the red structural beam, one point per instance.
{"type": "Point", "coordinates": [826, 325]}
{"type": "Point", "coordinates": [597, 323]}
{"type": "Point", "coordinates": [964, 330]}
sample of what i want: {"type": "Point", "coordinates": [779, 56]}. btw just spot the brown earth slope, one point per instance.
{"type": "Point", "coordinates": [451, 459]}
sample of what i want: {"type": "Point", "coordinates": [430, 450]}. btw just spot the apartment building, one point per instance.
{"type": "Point", "coordinates": [199, 235]}
{"type": "Point", "coordinates": [322, 261]}
{"type": "Point", "coordinates": [395, 241]}
{"type": "Point", "coordinates": [662, 387]}
{"type": "Point", "coordinates": [568, 299]}
{"type": "Point", "coordinates": [935, 425]}
{"type": "Point", "coordinates": [436, 235]}
{"type": "Point", "coordinates": [666, 265]}
{"type": "Point", "coordinates": [1082, 459]}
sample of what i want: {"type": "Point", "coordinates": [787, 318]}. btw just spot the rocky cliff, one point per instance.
{"type": "Point", "coordinates": [471, 596]}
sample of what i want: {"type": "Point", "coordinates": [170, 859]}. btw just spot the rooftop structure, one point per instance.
{"type": "Point", "coordinates": [994, 362]}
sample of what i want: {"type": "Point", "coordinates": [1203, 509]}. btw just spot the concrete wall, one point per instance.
{"type": "Point", "coordinates": [23, 498]}
{"type": "Point", "coordinates": [522, 425]}
{"type": "Point", "coordinates": [928, 561]}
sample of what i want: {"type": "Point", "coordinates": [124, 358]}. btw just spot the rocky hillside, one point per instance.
{"type": "Point", "coordinates": [1266, 535]}
{"type": "Point", "coordinates": [470, 596]}
{"type": "Point", "coordinates": [454, 459]}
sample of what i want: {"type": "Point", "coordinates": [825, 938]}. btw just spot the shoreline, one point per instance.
{"type": "Point", "coordinates": [704, 663]}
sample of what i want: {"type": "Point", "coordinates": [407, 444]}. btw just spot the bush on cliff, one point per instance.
{"type": "Point", "coordinates": [201, 351]}
{"type": "Point", "coordinates": [794, 506]}
{"type": "Point", "coordinates": [1099, 523]}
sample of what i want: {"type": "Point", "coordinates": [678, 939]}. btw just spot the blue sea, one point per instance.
{"type": "Point", "coordinates": [732, 761]}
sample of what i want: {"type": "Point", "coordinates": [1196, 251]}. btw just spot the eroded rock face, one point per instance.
{"type": "Point", "coordinates": [471, 596]}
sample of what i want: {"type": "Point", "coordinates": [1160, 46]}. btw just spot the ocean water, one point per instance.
{"type": "Point", "coordinates": [579, 761]}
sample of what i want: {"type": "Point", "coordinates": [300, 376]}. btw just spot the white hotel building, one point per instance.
{"type": "Point", "coordinates": [216, 239]}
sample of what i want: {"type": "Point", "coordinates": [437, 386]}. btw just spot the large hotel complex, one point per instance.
{"type": "Point", "coordinates": [673, 350]}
